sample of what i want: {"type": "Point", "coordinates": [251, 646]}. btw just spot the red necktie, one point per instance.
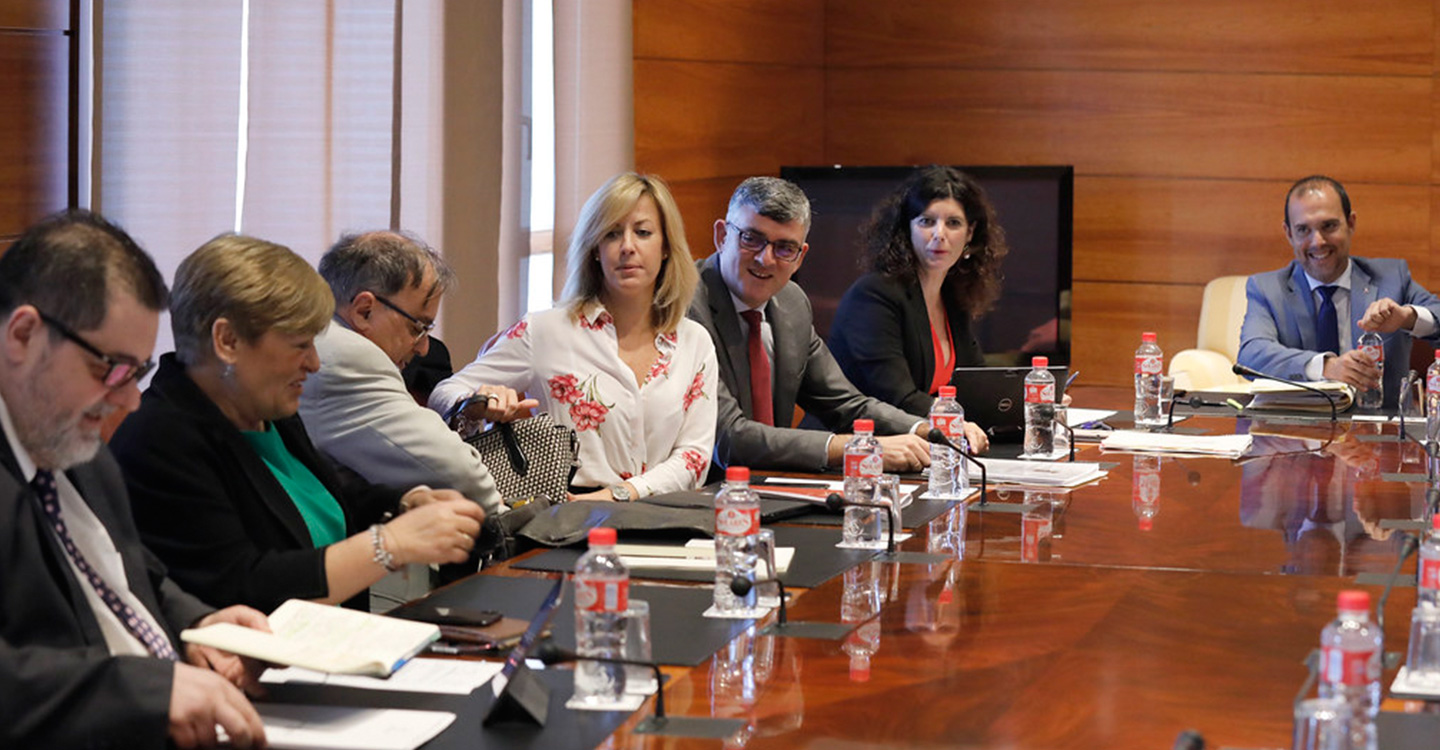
{"type": "Point", "coordinates": [761, 402]}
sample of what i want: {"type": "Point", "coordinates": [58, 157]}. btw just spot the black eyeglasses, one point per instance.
{"type": "Point", "coordinates": [119, 368]}
{"type": "Point", "coordinates": [754, 242]}
{"type": "Point", "coordinates": [424, 327]}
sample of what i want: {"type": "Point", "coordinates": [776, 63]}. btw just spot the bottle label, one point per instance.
{"type": "Point", "coordinates": [863, 465]}
{"type": "Point", "coordinates": [1432, 380]}
{"type": "Point", "coordinates": [737, 521]}
{"type": "Point", "coordinates": [1039, 393]}
{"type": "Point", "coordinates": [602, 595]}
{"type": "Point", "coordinates": [1148, 364]}
{"type": "Point", "coordinates": [1430, 574]}
{"type": "Point", "coordinates": [953, 425]}
{"type": "Point", "coordinates": [1348, 668]}
{"type": "Point", "coordinates": [1374, 352]}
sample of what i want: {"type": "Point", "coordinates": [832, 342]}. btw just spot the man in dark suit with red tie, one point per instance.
{"type": "Point", "coordinates": [766, 345]}
{"type": "Point", "coordinates": [89, 649]}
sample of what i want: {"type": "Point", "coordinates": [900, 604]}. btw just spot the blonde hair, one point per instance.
{"type": "Point", "coordinates": [258, 286]}
{"type": "Point", "coordinates": [605, 208]}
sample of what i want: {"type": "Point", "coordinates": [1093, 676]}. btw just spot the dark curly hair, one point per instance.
{"type": "Point", "coordinates": [973, 282]}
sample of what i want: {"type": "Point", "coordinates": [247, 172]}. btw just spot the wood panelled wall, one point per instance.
{"type": "Point", "coordinates": [1185, 123]}
{"type": "Point", "coordinates": [34, 112]}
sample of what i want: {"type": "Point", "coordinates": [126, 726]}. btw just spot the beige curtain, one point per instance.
{"type": "Point", "coordinates": [594, 110]}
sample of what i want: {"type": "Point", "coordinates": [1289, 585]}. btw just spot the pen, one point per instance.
{"type": "Point", "coordinates": [460, 650]}
{"type": "Point", "coordinates": [1071, 379]}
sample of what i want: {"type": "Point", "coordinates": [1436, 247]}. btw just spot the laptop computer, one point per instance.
{"type": "Point", "coordinates": [994, 398]}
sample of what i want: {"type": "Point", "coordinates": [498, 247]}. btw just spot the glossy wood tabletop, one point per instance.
{"type": "Point", "coordinates": [1175, 593]}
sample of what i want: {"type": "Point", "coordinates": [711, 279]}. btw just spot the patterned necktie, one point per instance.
{"type": "Point", "coordinates": [1327, 323]}
{"type": "Point", "coordinates": [762, 403]}
{"type": "Point", "coordinates": [156, 643]}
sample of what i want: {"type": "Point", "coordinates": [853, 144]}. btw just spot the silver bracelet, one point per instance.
{"type": "Point", "coordinates": [382, 556]}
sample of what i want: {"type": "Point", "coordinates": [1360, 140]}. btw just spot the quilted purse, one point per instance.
{"type": "Point", "coordinates": [530, 457]}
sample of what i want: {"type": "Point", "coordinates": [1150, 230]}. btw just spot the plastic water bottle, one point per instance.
{"type": "Point", "coordinates": [737, 521]}
{"type": "Point", "coordinates": [1429, 580]}
{"type": "Point", "coordinates": [1149, 366]}
{"type": "Point", "coordinates": [1371, 345]}
{"type": "Point", "coordinates": [947, 473]}
{"type": "Point", "coordinates": [1350, 649]}
{"type": "Point", "coordinates": [864, 462]}
{"type": "Point", "coordinates": [602, 594]}
{"type": "Point", "coordinates": [1432, 399]}
{"type": "Point", "coordinates": [1145, 489]}
{"type": "Point", "coordinates": [1039, 409]}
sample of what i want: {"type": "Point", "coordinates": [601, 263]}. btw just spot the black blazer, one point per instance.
{"type": "Point", "coordinates": [881, 338]}
{"type": "Point", "coordinates": [207, 504]}
{"type": "Point", "coordinates": [60, 685]}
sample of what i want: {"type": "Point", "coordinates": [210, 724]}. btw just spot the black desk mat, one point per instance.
{"type": "Point", "coordinates": [771, 509]}
{"type": "Point", "coordinates": [816, 561]}
{"type": "Point", "coordinates": [563, 727]}
{"type": "Point", "coordinates": [678, 633]}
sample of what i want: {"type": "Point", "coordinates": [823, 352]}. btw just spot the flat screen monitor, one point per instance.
{"type": "Point", "coordinates": [1034, 205]}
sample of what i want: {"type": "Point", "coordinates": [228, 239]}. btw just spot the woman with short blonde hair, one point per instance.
{"type": "Point", "coordinates": [225, 484]}
{"type": "Point", "coordinates": [618, 360]}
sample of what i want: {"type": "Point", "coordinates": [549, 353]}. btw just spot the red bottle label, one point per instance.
{"type": "Point", "coordinates": [863, 465]}
{"type": "Point", "coordinates": [1432, 382]}
{"type": "Point", "coordinates": [1430, 574]}
{"type": "Point", "coordinates": [1147, 365]}
{"type": "Point", "coordinates": [1039, 393]}
{"type": "Point", "coordinates": [602, 596]}
{"type": "Point", "coordinates": [951, 424]}
{"type": "Point", "coordinates": [1375, 353]}
{"type": "Point", "coordinates": [1349, 668]}
{"type": "Point", "coordinates": [736, 522]}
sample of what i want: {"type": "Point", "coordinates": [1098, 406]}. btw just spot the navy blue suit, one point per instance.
{"type": "Point", "coordinates": [1278, 335]}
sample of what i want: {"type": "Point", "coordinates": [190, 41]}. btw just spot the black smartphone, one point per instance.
{"type": "Point", "coordinates": [442, 615]}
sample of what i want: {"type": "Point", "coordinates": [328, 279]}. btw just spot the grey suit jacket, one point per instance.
{"type": "Point", "coordinates": [359, 413]}
{"type": "Point", "coordinates": [61, 686]}
{"type": "Point", "coordinates": [805, 374]}
{"type": "Point", "coordinates": [1278, 335]}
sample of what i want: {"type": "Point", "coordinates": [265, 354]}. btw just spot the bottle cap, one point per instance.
{"type": "Point", "coordinates": [1437, 354]}
{"type": "Point", "coordinates": [737, 474]}
{"type": "Point", "coordinates": [1148, 337]}
{"type": "Point", "coordinates": [947, 391]}
{"type": "Point", "coordinates": [1040, 362]}
{"type": "Point", "coordinates": [859, 668]}
{"type": "Point", "coordinates": [864, 425]}
{"type": "Point", "coordinates": [1147, 524]}
{"type": "Point", "coordinates": [1435, 522]}
{"type": "Point", "coordinates": [601, 536]}
{"type": "Point", "coordinates": [1353, 601]}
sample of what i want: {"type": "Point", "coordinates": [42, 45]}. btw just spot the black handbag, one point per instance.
{"type": "Point", "coordinates": [530, 457]}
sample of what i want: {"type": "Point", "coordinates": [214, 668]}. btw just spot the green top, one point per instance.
{"type": "Point", "coordinates": [317, 506]}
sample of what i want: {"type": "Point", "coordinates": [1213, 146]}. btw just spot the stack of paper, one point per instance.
{"type": "Point", "coordinates": [324, 638]}
{"type": "Point", "coordinates": [1139, 441]}
{"type": "Point", "coordinates": [290, 727]}
{"type": "Point", "coordinates": [1269, 394]}
{"type": "Point", "coordinates": [1035, 474]}
{"type": "Point", "coordinates": [697, 554]}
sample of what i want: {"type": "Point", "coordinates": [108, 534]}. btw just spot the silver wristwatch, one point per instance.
{"type": "Point", "coordinates": [621, 493]}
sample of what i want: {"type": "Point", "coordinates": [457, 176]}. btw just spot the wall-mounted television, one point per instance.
{"type": "Point", "coordinates": [1035, 205]}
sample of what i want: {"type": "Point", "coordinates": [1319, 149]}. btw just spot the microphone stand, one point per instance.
{"type": "Point", "coordinates": [1240, 369]}
{"type": "Point", "coordinates": [1405, 395]}
{"type": "Point", "coordinates": [1408, 545]}
{"type": "Point", "coordinates": [939, 437]}
{"type": "Point", "coordinates": [1071, 434]}
{"type": "Point", "coordinates": [1194, 402]}
{"type": "Point", "coordinates": [824, 631]}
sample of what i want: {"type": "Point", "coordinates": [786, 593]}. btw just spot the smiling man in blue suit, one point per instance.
{"type": "Point", "coordinates": [1302, 321]}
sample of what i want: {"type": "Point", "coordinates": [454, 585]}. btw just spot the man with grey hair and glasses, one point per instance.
{"type": "Point", "coordinates": [765, 340]}
{"type": "Point", "coordinates": [387, 288]}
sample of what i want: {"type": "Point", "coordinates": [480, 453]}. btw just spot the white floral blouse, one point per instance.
{"type": "Point", "coordinates": [658, 436]}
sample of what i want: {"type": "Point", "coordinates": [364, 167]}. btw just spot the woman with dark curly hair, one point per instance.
{"type": "Point", "coordinates": [933, 254]}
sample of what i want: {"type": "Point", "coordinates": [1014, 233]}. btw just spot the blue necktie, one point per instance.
{"type": "Point", "coordinates": [156, 643]}
{"type": "Point", "coordinates": [1327, 322]}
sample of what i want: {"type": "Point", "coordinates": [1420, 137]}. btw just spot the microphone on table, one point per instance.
{"type": "Point", "coordinates": [834, 502]}
{"type": "Point", "coordinates": [1240, 369]}
{"type": "Point", "coordinates": [550, 654]}
{"type": "Point", "coordinates": [741, 587]}
{"type": "Point", "coordinates": [938, 437]}
{"type": "Point", "coordinates": [1408, 544]}
{"type": "Point", "coordinates": [1405, 390]}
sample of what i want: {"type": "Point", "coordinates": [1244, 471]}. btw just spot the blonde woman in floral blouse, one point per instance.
{"type": "Point", "coordinates": [617, 360]}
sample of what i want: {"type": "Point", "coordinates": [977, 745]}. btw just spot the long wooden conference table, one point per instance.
{"type": "Point", "coordinates": [1112, 615]}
